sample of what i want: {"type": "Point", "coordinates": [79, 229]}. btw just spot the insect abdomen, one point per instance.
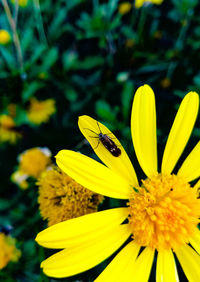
{"type": "Point", "coordinates": [110, 145]}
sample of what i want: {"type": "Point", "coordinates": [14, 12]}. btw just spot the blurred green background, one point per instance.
{"type": "Point", "coordinates": [90, 57]}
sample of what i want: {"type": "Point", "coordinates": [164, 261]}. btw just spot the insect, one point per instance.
{"type": "Point", "coordinates": [107, 142]}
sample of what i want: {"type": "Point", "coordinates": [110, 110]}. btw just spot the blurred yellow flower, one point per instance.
{"type": "Point", "coordinates": [129, 43]}
{"type": "Point", "coordinates": [34, 161]}
{"type": "Point", "coordinates": [124, 8]}
{"type": "Point", "coordinates": [61, 197]}
{"type": "Point", "coordinates": [8, 130]}
{"type": "Point", "coordinates": [5, 37]}
{"type": "Point", "coordinates": [12, 108]}
{"type": "Point", "coordinates": [22, 3]}
{"type": "Point", "coordinates": [41, 111]}
{"type": "Point", "coordinates": [8, 252]}
{"type": "Point", "coordinates": [140, 3]}
{"type": "Point", "coordinates": [166, 82]}
{"type": "Point", "coordinates": [158, 34]}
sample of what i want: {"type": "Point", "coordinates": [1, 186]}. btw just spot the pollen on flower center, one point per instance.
{"type": "Point", "coordinates": [164, 212]}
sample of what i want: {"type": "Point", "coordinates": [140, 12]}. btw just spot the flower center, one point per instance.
{"type": "Point", "coordinates": [164, 212]}
{"type": "Point", "coordinates": [62, 198]}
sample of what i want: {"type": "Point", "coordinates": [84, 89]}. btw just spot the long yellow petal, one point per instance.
{"type": "Point", "coordinates": [166, 268]}
{"type": "Point", "coordinates": [190, 169]}
{"type": "Point", "coordinates": [116, 270]}
{"type": "Point", "coordinates": [139, 270]}
{"type": "Point", "coordinates": [74, 260]}
{"type": "Point", "coordinates": [190, 262]}
{"type": "Point", "coordinates": [195, 241]}
{"type": "Point", "coordinates": [81, 229]}
{"type": "Point", "coordinates": [180, 131]}
{"type": "Point", "coordinates": [143, 129]}
{"type": "Point", "coordinates": [93, 175]}
{"type": "Point", "coordinates": [122, 165]}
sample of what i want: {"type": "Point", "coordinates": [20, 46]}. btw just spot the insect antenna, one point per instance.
{"type": "Point", "coordinates": [99, 127]}
{"type": "Point", "coordinates": [91, 131]}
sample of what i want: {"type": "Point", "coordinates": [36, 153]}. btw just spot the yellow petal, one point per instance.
{"type": "Point", "coordinates": [180, 131]}
{"type": "Point", "coordinates": [143, 128]}
{"type": "Point", "coordinates": [197, 185]}
{"type": "Point", "coordinates": [81, 229]}
{"type": "Point", "coordinates": [122, 165]}
{"type": "Point", "coordinates": [190, 262]}
{"type": "Point", "coordinates": [77, 259]}
{"type": "Point", "coordinates": [141, 268]}
{"type": "Point", "coordinates": [195, 241]}
{"type": "Point", "coordinates": [116, 270]}
{"type": "Point", "coordinates": [93, 175]}
{"type": "Point", "coordinates": [166, 267]}
{"type": "Point", "coordinates": [190, 169]}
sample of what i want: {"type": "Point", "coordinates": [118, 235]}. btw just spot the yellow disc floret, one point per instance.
{"type": "Point", "coordinates": [62, 198]}
{"type": "Point", "coordinates": [34, 161]}
{"type": "Point", "coordinates": [8, 250]}
{"type": "Point", "coordinates": [41, 111]}
{"type": "Point", "coordinates": [163, 212]}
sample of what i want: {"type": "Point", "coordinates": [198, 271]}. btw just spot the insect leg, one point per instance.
{"type": "Point", "coordinates": [97, 145]}
{"type": "Point", "coordinates": [93, 136]}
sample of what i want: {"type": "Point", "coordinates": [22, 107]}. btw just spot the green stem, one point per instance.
{"type": "Point", "coordinates": [142, 20]}
{"type": "Point", "coordinates": [16, 40]}
{"type": "Point", "coordinates": [16, 11]}
{"type": "Point", "coordinates": [39, 21]}
{"type": "Point", "coordinates": [178, 46]}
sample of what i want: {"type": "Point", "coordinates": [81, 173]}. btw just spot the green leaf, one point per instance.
{"type": "Point", "coordinates": [104, 111]}
{"type": "Point", "coordinates": [88, 63]}
{"type": "Point", "coordinates": [30, 89]}
{"type": "Point", "coordinates": [49, 59]}
{"type": "Point", "coordinates": [127, 96]}
{"type": "Point", "coordinates": [69, 59]}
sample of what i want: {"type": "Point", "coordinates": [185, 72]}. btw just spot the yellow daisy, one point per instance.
{"type": "Point", "coordinates": [162, 216]}
{"type": "Point", "coordinates": [9, 252]}
{"type": "Point", "coordinates": [140, 3]}
{"type": "Point", "coordinates": [41, 111]}
{"type": "Point", "coordinates": [8, 130]}
{"type": "Point", "coordinates": [32, 163]}
{"type": "Point", "coordinates": [21, 3]}
{"type": "Point", "coordinates": [124, 8]}
{"type": "Point", "coordinates": [5, 37]}
{"type": "Point", "coordinates": [61, 198]}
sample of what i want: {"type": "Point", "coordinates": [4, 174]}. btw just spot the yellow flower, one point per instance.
{"type": "Point", "coordinates": [22, 3]}
{"type": "Point", "coordinates": [129, 43]}
{"type": "Point", "coordinates": [8, 130]}
{"type": "Point", "coordinates": [8, 250]}
{"type": "Point", "coordinates": [34, 161]}
{"type": "Point", "coordinates": [61, 198]}
{"type": "Point", "coordinates": [165, 82]}
{"type": "Point", "coordinates": [140, 3]}
{"type": "Point", "coordinates": [5, 37]}
{"type": "Point", "coordinates": [124, 8]}
{"type": "Point", "coordinates": [162, 213]}
{"type": "Point", "coordinates": [41, 111]}
{"type": "Point", "coordinates": [12, 109]}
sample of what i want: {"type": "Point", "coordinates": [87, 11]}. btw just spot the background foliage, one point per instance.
{"type": "Point", "coordinates": [90, 59]}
